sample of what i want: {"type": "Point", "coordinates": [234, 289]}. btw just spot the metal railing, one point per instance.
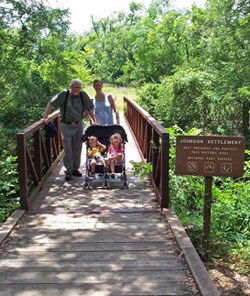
{"type": "Point", "coordinates": [153, 143]}
{"type": "Point", "coordinates": [37, 157]}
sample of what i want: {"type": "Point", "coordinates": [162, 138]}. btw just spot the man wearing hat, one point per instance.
{"type": "Point", "coordinates": [72, 105]}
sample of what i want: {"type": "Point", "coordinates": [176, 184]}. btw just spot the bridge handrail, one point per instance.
{"type": "Point", "coordinates": [37, 156]}
{"type": "Point", "coordinates": [153, 143]}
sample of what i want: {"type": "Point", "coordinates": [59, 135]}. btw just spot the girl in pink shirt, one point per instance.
{"type": "Point", "coordinates": [115, 152]}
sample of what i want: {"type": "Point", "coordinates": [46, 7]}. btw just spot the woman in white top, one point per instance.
{"type": "Point", "coordinates": [104, 105]}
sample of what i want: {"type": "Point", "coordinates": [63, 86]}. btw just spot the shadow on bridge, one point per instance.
{"type": "Point", "coordinates": [114, 241]}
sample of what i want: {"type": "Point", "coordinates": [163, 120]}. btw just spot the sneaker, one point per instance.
{"type": "Point", "coordinates": [68, 177]}
{"type": "Point", "coordinates": [76, 173]}
{"type": "Point", "coordinates": [112, 176]}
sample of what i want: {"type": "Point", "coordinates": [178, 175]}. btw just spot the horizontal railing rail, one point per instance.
{"type": "Point", "coordinates": [37, 156]}
{"type": "Point", "coordinates": [153, 143]}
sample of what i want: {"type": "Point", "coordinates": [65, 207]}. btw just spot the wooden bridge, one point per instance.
{"type": "Point", "coordinates": [71, 241]}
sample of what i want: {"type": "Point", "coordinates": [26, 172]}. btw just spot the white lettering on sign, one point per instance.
{"type": "Point", "coordinates": [224, 142]}
{"type": "Point", "coordinates": [195, 158]}
{"type": "Point", "coordinates": [210, 155]}
{"type": "Point", "coordinates": [225, 158]}
{"type": "Point", "coordinates": [209, 152]}
{"type": "Point", "coordinates": [191, 141]}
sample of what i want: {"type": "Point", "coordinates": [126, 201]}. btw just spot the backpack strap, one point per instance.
{"type": "Point", "coordinates": [81, 96]}
{"type": "Point", "coordinates": [65, 103]}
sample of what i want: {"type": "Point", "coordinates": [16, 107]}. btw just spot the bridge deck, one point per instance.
{"type": "Point", "coordinates": [94, 242]}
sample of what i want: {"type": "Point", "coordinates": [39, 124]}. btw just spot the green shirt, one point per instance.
{"type": "Point", "coordinates": [74, 108]}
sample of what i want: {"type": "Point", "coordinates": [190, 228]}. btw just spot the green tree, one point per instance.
{"type": "Point", "coordinates": [37, 60]}
{"type": "Point", "coordinates": [226, 38]}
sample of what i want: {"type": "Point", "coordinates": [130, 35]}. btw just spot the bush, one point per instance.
{"type": "Point", "coordinates": [8, 186]}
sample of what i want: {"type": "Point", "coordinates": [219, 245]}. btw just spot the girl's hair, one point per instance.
{"type": "Point", "coordinates": [92, 138]}
{"type": "Point", "coordinates": [116, 135]}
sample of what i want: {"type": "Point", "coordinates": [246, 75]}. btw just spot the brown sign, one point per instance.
{"type": "Point", "coordinates": [210, 155]}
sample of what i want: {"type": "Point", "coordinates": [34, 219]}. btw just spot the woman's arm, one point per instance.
{"type": "Point", "coordinates": [92, 116]}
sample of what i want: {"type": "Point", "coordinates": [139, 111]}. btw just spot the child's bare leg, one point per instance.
{"type": "Point", "coordinates": [105, 167]}
{"type": "Point", "coordinates": [92, 165]}
{"type": "Point", "coordinates": [112, 166]}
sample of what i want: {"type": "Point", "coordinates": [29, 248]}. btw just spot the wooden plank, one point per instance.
{"type": "Point", "coordinates": [90, 255]}
{"type": "Point", "coordinates": [80, 265]}
{"type": "Point", "coordinates": [87, 218]}
{"type": "Point", "coordinates": [132, 288]}
{"type": "Point", "coordinates": [92, 225]}
{"type": "Point", "coordinates": [25, 237]}
{"type": "Point", "coordinates": [88, 234]}
{"type": "Point", "coordinates": [94, 246]}
{"type": "Point", "coordinates": [123, 229]}
{"type": "Point", "coordinates": [79, 277]}
{"type": "Point", "coordinates": [80, 216]}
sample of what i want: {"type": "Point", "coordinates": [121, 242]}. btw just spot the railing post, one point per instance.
{"type": "Point", "coordinates": [165, 170]}
{"type": "Point", "coordinates": [22, 171]}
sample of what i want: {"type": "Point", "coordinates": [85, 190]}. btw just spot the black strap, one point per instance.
{"type": "Point", "coordinates": [81, 96]}
{"type": "Point", "coordinates": [65, 104]}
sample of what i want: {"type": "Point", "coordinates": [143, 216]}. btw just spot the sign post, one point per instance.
{"type": "Point", "coordinates": [209, 156]}
{"type": "Point", "coordinates": [207, 216]}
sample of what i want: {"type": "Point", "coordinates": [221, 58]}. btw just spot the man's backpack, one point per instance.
{"type": "Point", "coordinates": [85, 112]}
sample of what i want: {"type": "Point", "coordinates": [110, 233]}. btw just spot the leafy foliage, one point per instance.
{"type": "Point", "coordinates": [141, 168]}
{"type": "Point", "coordinates": [38, 59]}
{"type": "Point", "coordinates": [8, 186]}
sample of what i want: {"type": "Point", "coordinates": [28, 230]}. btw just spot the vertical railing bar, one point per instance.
{"type": "Point", "coordinates": [31, 166]}
{"type": "Point", "coordinates": [48, 149]}
{"type": "Point", "coordinates": [165, 200]}
{"type": "Point", "coordinates": [44, 154]}
{"type": "Point", "coordinates": [155, 140]}
{"type": "Point", "coordinates": [151, 144]}
{"type": "Point", "coordinates": [22, 171]}
{"type": "Point", "coordinates": [54, 148]}
{"type": "Point", "coordinates": [38, 154]}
